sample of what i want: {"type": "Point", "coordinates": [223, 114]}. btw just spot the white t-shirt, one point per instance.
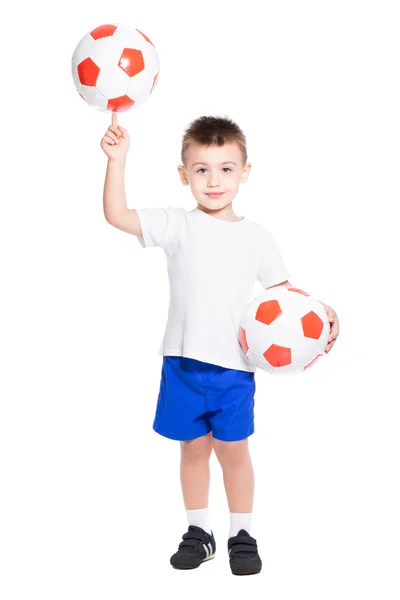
{"type": "Point", "coordinates": [212, 267]}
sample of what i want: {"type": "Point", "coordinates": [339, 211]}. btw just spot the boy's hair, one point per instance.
{"type": "Point", "coordinates": [216, 131]}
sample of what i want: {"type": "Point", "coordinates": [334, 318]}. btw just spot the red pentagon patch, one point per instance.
{"type": "Point", "coordinates": [313, 361]}
{"type": "Point", "coordinates": [278, 356]}
{"type": "Point", "coordinates": [293, 289]}
{"type": "Point", "coordinates": [103, 31]}
{"type": "Point", "coordinates": [268, 311]}
{"type": "Point", "coordinates": [88, 72]}
{"type": "Point", "coordinates": [145, 37]}
{"type": "Point", "coordinates": [154, 83]}
{"type": "Point", "coordinates": [312, 325]}
{"type": "Point", "coordinates": [120, 104]}
{"type": "Point", "coordinates": [243, 339]}
{"type": "Point", "coordinates": [131, 61]}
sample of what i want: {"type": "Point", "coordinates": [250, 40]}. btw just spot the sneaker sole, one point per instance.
{"type": "Point", "coordinates": [209, 557]}
{"type": "Point", "coordinates": [188, 567]}
{"type": "Point", "coordinates": [246, 572]}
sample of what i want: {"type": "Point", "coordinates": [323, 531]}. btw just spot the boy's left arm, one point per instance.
{"type": "Point", "coordinates": [332, 317]}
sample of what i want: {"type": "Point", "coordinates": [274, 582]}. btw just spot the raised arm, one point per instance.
{"type": "Point", "coordinates": [115, 144]}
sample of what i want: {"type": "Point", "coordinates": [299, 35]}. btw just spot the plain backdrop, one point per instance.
{"type": "Point", "coordinates": [90, 502]}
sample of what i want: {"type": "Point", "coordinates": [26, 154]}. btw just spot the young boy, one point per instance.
{"type": "Point", "coordinates": [207, 387]}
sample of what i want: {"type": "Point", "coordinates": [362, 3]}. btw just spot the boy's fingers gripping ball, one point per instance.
{"type": "Point", "coordinates": [115, 68]}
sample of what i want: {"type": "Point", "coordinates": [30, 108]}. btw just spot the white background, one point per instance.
{"type": "Point", "coordinates": [90, 504]}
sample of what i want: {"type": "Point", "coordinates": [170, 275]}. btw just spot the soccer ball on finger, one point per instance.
{"type": "Point", "coordinates": [115, 68]}
{"type": "Point", "coordinates": [284, 330]}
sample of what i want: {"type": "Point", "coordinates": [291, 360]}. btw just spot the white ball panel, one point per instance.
{"type": "Point", "coordinates": [318, 308]}
{"type": "Point", "coordinates": [304, 350]}
{"type": "Point", "coordinates": [129, 38]}
{"type": "Point", "coordinates": [325, 333]}
{"type": "Point", "coordinates": [258, 337]}
{"type": "Point", "coordinates": [288, 370]}
{"type": "Point", "coordinates": [106, 52]}
{"type": "Point", "coordinates": [82, 50]}
{"type": "Point", "coordinates": [284, 329]}
{"type": "Point", "coordinates": [296, 304]}
{"type": "Point", "coordinates": [75, 76]}
{"type": "Point", "coordinates": [151, 59]}
{"type": "Point", "coordinates": [113, 82]}
{"type": "Point", "coordinates": [139, 87]}
{"type": "Point", "coordinates": [259, 361]}
{"type": "Point", "coordinates": [93, 97]}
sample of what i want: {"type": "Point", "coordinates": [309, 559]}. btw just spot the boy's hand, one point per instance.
{"type": "Point", "coordinates": [115, 141]}
{"type": "Point", "coordinates": [334, 325]}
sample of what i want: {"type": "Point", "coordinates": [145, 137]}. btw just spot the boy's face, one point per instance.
{"type": "Point", "coordinates": [214, 173]}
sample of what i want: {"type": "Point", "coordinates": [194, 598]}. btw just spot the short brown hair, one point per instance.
{"type": "Point", "coordinates": [216, 131]}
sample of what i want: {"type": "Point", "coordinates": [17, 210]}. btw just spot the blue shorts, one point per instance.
{"type": "Point", "coordinates": [197, 397]}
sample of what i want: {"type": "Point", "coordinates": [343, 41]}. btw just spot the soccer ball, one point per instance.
{"type": "Point", "coordinates": [115, 68]}
{"type": "Point", "coordinates": [284, 330]}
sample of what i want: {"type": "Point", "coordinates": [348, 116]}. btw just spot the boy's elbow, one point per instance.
{"type": "Point", "coordinates": [127, 221]}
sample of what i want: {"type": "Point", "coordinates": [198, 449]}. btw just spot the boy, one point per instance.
{"type": "Point", "coordinates": [207, 387]}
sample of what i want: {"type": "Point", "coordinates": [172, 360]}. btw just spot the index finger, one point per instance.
{"type": "Point", "coordinates": [114, 120]}
{"type": "Point", "coordinates": [334, 329]}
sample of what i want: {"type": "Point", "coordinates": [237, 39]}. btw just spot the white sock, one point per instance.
{"type": "Point", "coordinates": [240, 521]}
{"type": "Point", "coordinates": [200, 518]}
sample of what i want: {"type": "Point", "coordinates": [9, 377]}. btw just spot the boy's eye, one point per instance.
{"type": "Point", "coordinates": [202, 169]}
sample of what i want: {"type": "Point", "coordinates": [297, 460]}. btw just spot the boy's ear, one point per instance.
{"type": "Point", "coordinates": [183, 175]}
{"type": "Point", "coordinates": [246, 172]}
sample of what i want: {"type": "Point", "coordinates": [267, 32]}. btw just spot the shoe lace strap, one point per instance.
{"type": "Point", "coordinates": [243, 544]}
{"type": "Point", "coordinates": [192, 539]}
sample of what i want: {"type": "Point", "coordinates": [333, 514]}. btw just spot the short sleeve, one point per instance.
{"type": "Point", "coordinates": [160, 227]}
{"type": "Point", "coordinates": [272, 269]}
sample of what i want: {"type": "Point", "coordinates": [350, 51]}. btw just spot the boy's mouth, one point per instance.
{"type": "Point", "coordinates": [214, 194]}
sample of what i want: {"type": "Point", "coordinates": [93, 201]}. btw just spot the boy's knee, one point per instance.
{"type": "Point", "coordinates": [198, 448]}
{"type": "Point", "coordinates": [231, 453]}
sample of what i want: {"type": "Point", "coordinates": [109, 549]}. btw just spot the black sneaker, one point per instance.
{"type": "Point", "coordinates": [197, 547]}
{"type": "Point", "coordinates": [243, 554]}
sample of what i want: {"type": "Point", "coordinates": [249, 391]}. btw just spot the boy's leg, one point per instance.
{"type": "Point", "coordinates": [195, 471]}
{"type": "Point", "coordinates": [182, 414]}
{"type": "Point", "coordinates": [238, 474]}
{"type": "Point", "coordinates": [235, 461]}
{"type": "Point", "coordinates": [198, 543]}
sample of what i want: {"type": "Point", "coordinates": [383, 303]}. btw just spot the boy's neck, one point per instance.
{"type": "Point", "coordinates": [225, 213]}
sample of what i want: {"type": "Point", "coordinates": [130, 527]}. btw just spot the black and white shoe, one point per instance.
{"type": "Point", "coordinates": [196, 547]}
{"type": "Point", "coordinates": [243, 554]}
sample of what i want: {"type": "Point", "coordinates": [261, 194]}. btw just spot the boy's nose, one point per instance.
{"type": "Point", "coordinates": [213, 181]}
